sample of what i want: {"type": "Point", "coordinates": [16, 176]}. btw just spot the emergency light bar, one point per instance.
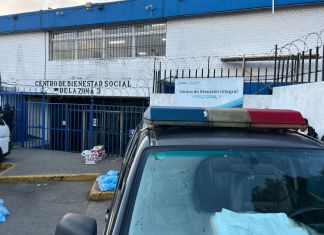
{"type": "Point", "coordinates": [233, 117]}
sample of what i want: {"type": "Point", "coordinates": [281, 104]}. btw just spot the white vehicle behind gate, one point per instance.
{"type": "Point", "coordinates": [4, 139]}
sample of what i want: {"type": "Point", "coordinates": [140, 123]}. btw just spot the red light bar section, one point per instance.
{"type": "Point", "coordinates": [276, 118]}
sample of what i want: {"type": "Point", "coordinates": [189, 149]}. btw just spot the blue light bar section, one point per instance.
{"type": "Point", "coordinates": [129, 11]}
{"type": "Point", "coordinates": [156, 114]}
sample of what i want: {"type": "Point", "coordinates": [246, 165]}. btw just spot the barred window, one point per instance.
{"type": "Point", "coordinates": [63, 46]}
{"type": "Point", "coordinates": [109, 42]}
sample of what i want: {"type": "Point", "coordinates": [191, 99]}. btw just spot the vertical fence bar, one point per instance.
{"type": "Point", "coordinates": [323, 64]}
{"type": "Point", "coordinates": [258, 80]}
{"type": "Point", "coordinates": [208, 67]}
{"type": "Point", "coordinates": [66, 131]}
{"type": "Point", "coordinates": [91, 126]}
{"type": "Point", "coordinates": [250, 88]}
{"type": "Point", "coordinates": [302, 67]}
{"type": "Point", "coordinates": [265, 79]}
{"type": "Point", "coordinates": [292, 69]}
{"type": "Point", "coordinates": [170, 76]}
{"type": "Point", "coordinates": [275, 66]}
{"type": "Point", "coordinates": [310, 65]}
{"type": "Point", "coordinates": [287, 69]}
{"type": "Point", "coordinates": [23, 122]}
{"type": "Point", "coordinates": [221, 72]}
{"type": "Point", "coordinates": [316, 63]}
{"type": "Point", "coordinates": [278, 72]}
{"type": "Point", "coordinates": [297, 67]}
{"type": "Point", "coordinates": [43, 121]}
{"type": "Point", "coordinates": [154, 75]}
{"type": "Point", "coordinates": [283, 70]}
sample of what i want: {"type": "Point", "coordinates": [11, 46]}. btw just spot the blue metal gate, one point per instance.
{"type": "Point", "coordinates": [71, 127]}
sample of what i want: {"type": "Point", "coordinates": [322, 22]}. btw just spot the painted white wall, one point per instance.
{"type": "Point", "coordinates": [22, 56]}
{"type": "Point", "coordinates": [250, 32]}
{"type": "Point", "coordinates": [306, 98]}
{"type": "Point", "coordinates": [257, 101]}
{"type": "Point", "coordinates": [162, 100]}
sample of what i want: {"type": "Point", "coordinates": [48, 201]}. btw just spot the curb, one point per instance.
{"type": "Point", "coordinates": [97, 195]}
{"type": "Point", "coordinates": [45, 178]}
{"type": "Point", "coordinates": [6, 167]}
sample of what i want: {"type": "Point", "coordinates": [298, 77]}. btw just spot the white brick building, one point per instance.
{"type": "Point", "coordinates": [106, 55]}
{"type": "Point", "coordinates": [29, 57]}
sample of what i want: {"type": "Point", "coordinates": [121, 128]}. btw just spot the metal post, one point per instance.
{"type": "Point", "coordinates": [303, 67]}
{"type": "Point", "coordinates": [22, 129]}
{"type": "Point", "coordinates": [316, 63]}
{"type": "Point", "coordinates": [278, 75]}
{"type": "Point", "coordinates": [91, 126]}
{"type": "Point", "coordinates": [310, 65]}
{"type": "Point", "coordinates": [258, 80]}
{"type": "Point", "coordinates": [159, 76]}
{"type": "Point", "coordinates": [250, 89]}
{"type": "Point", "coordinates": [283, 70]}
{"type": "Point", "coordinates": [292, 69]}
{"type": "Point", "coordinates": [323, 64]}
{"type": "Point", "coordinates": [287, 69]}
{"type": "Point", "coordinates": [208, 66]}
{"type": "Point", "coordinates": [275, 65]}
{"type": "Point", "coordinates": [265, 79]}
{"type": "Point", "coordinates": [43, 121]}
{"type": "Point", "coordinates": [298, 63]}
{"type": "Point", "coordinates": [154, 76]}
{"type": "Point", "coordinates": [66, 132]}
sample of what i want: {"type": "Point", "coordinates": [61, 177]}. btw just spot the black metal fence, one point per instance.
{"type": "Point", "coordinates": [272, 71]}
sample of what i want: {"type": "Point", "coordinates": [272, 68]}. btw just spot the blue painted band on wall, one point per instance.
{"type": "Point", "coordinates": [130, 10]}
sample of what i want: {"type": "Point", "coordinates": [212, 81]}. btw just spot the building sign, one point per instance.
{"type": "Point", "coordinates": [209, 92]}
{"type": "Point", "coordinates": [82, 87]}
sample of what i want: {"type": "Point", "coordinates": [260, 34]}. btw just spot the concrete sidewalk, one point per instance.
{"type": "Point", "coordinates": [41, 162]}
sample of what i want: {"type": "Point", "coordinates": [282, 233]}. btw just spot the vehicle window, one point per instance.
{"type": "Point", "coordinates": [195, 192]}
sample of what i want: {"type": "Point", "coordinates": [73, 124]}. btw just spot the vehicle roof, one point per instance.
{"type": "Point", "coordinates": [233, 137]}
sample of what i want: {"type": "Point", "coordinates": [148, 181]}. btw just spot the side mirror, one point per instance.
{"type": "Point", "coordinates": [75, 224]}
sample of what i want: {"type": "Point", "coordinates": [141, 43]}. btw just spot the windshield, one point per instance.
{"type": "Point", "coordinates": [248, 191]}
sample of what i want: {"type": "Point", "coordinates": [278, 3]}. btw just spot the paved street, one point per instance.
{"type": "Point", "coordinates": [36, 208]}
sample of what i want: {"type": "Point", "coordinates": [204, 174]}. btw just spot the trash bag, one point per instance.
{"type": "Point", "coordinates": [108, 182]}
{"type": "Point", "coordinates": [2, 218]}
{"type": "Point", "coordinates": [3, 211]}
